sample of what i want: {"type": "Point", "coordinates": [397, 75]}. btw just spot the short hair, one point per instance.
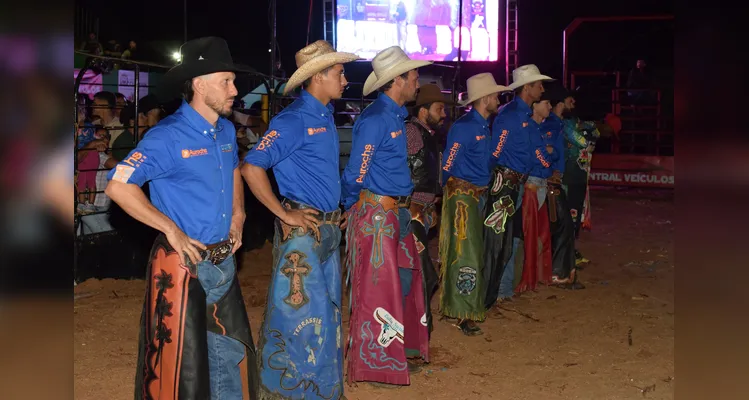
{"type": "Point", "coordinates": [109, 97]}
{"type": "Point", "coordinates": [308, 81]}
{"type": "Point", "coordinates": [119, 95]}
{"type": "Point", "coordinates": [384, 88]}
{"type": "Point", "coordinates": [415, 110]}
{"type": "Point", "coordinates": [519, 90]}
{"type": "Point", "coordinates": [187, 92]}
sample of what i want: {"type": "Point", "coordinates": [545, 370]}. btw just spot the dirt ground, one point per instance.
{"type": "Point", "coordinates": [613, 340]}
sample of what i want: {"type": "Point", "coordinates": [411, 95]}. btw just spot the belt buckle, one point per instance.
{"type": "Point", "coordinates": [220, 253]}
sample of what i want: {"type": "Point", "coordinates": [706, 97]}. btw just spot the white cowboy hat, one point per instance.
{"type": "Point", "coordinates": [314, 58]}
{"type": "Point", "coordinates": [481, 85]}
{"type": "Point", "coordinates": [525, 74]}
{"type": "Point", "coordinates": [388, 64]}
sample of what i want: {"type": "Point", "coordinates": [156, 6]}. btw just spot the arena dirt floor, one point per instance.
{"type": "Point", "coordinates": [613, 340]}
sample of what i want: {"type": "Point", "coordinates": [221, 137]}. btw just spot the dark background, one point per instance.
{"type": "Point", "coordinates": [246, 27]}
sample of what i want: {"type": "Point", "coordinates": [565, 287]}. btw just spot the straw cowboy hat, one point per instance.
{"type": "Point", "coordinates": [388, 64]}
{"type": "Point", "coordinates": [525, 74]}
{"type": "Point", "coordinates": [200, 56]}
{"type": "Point", "coordinates": [481, 85]}
{"type": "Point", "coordinates": [431, 93]}
{"type": "Point", "coordinates": [314, 58]}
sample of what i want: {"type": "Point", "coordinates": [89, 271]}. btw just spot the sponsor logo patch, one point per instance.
{"type": "Point", "coordinates": [187, 153]}
{"type": "Point", "coordinates": [226, 147]}
{"type": "Point", "coordinates": [122, 173]}
{"type": "Point", "coordinates": [313, 131]}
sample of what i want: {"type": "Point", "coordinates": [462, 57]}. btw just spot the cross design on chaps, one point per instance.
{"type": "Point", "coordinates": [377, 230]}
{"type": "Point", "coordinates": [294, 269]}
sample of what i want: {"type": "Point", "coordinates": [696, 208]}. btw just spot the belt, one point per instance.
{"type": "Point", "coordinates": [514, 176]}
{"type": "Point", "coordinates": [218, 252]}
{"type": "Point", "coordinates": [331, 217]}
{"type": "Point", "coordinates": [388, 202]}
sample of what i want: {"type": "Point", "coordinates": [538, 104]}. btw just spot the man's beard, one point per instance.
{"type": "Point", "coordinates": [434, 123]}
{"type": "Point", "coordinates": [218, 107]}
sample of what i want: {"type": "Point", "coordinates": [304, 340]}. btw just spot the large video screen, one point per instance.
{"type": "Point", "coordinates": [425, 29]}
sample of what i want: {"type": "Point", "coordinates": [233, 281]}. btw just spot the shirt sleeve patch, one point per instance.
{"type": "Point", "coordinates": [122, 173]}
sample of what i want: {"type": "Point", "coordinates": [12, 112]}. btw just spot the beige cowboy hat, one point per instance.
{"type": "Point", "coordinates": [481, 85]}
{"type": "Point", "coordinates": [314, 58]}
{"type": "Point", "coordinates": [388, 64]}
{"type": "Point", "coordinates": [525, 74]}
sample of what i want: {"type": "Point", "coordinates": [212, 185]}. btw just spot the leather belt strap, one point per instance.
{"type": "Point", "coordinates": [513, 176]}
{"type": "Point", "coordinates": [218, 252]}
{"type": "Point", "coordinates": [388, 202]}
{"type": "Point", "coordinates": [331, 217]}
{"type": "Point", "coordinates": [552, 191]}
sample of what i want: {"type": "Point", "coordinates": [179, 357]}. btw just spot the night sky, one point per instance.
{"type": "Point", "coordinates": [245, 26]}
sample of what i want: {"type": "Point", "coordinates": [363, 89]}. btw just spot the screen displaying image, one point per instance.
{"type": "Point", "coordinates": [424, 29]}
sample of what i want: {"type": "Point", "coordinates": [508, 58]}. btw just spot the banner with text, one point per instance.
{"type": "Point", "coordinates": [632, 170]}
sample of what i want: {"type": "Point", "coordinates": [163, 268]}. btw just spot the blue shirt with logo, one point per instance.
{"type": "Point", "coordinates": [516, 144]}
{"type": "Point", "coordinates": [378, 159]}
{"type": "Point", "coordinates": [538, 169]}
{"type": "Point", "coordinates": [467, 153]}
{"type": "Point", "coordinates": [190, 166]}
{"type": "Point", "coordinates": [301, 145]}
{"type": "Point", "coordinates": [553, 129]}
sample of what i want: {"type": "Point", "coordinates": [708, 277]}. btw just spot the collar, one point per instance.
{"type": "Point", "coordinates": [423, 125]}
{"type": "Point", "coordinates": [478, 118]}
{"type": "Point", "coordinates": [197, 122]}
{"type": "Point", "coordinates": [391, 105]}
{"type": "Point", "coordinates": [523, 106]}
{"type": "Point", "coordinates": [317, 106]}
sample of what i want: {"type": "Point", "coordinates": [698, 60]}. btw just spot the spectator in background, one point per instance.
{"type": "Point", "coordinates": [121, 104]}
{"type": "Point", "coordinates": [640, 78]}
{"type": "Point", "coordinates": [99, 220]}
{"type": "Point", "coordinates": [129, 53]}
{"type": "Point", "coordinates": [113, 49]}
{"type": "Point", "coordinates": [149, 114]}
{"type": "Point", "coordinates": [89, 162]}
{"type": "Point", "coordinates": [92, 45]}
{"type": "Point", "coordinates": [103, 114]}
{"type": "Point", "coordinates": [400, 16]}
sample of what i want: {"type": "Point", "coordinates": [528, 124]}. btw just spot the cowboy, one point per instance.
{"type": "Point", "coordinates": [427, 115]}
{"type": "Point", "coordinates": [197, 203]}
{"type": "Point", "coordinates": [387, 297]}
{"type": "Point", "coordinates": [300, 348]}
{"type": "Point", "coordinates": [535, 214]}
{"type": "Point", "coordinates": [515, 148]}
{"type": "Point", "coordinates": [465, 171]}
{"type": "Point", "coordinates": [561, 225]}
{"type": "Point", "coordinates": [581, 137]}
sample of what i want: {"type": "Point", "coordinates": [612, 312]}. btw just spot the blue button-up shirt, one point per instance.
{"type": "Point", "coordinates": [515, 144]}
{"type": "Point", "coordinates": [542, 170]}
{"type": "Point", "coordinates": [190, 165]}
{"type": "Point", "coordinates": [552, 128]}
{"type": "Point", "coordinates": [302, 147]}
{"type": "Point", "coordinates": [378, 159]}
{"type": "Point", "coordinates": [467, 153]}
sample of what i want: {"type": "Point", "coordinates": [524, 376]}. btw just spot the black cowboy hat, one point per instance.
{"type": "Point", "coordinates": [555, 93]}
{"type": "Point", "coordinates": [200, 56]}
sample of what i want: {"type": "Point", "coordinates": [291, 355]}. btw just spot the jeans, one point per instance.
{"type": "Point", "coordinates": [406, 276]}
{"type": "Point", "coordinates": [224, 353]}
{"type": "Point", "coordinates": [506, 286]}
